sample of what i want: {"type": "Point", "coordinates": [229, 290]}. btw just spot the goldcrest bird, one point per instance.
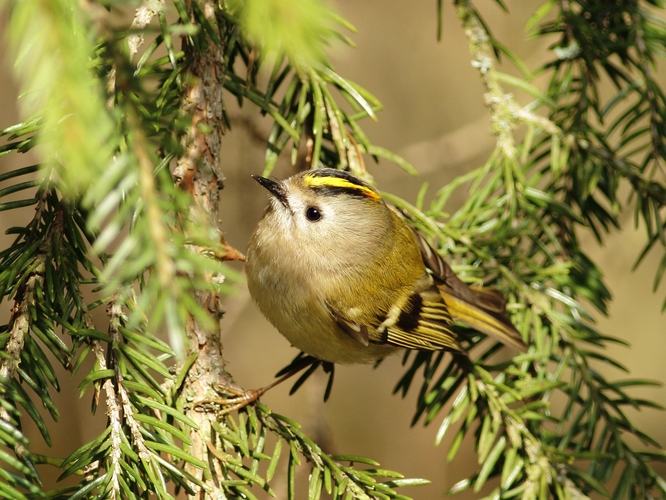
{"type": "Point", "coordinates": [344, 278]}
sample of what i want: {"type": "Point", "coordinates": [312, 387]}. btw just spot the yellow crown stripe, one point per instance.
{"type": "Point", "coordinates": [338, 182]}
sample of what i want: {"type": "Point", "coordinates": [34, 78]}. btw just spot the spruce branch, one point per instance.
{"type": "Point", "coordinates": [245, 438]}
{"type": "Point", "coordinates": [151, 215]}
{"type": "Point", "coordinates": [142, 18]}
{"type": "Point", "coordinates": [20, 319]}
{"type": "Point", "coordinates": [113, 412]}
{"type": "Point", "coordinates": [506, 113]}
{"type": "Point", "coordinates": [74, 124]}
{"type": "Point", "coordinates": [197, 172]}
{"type": "Point", "coordinates": [504, 207]}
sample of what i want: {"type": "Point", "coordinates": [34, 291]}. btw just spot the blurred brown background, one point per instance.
{"type": "Point", "coordinates": [434, 116]}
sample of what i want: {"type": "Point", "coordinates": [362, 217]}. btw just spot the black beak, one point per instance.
{"type": "Point", "coordinates": [275, 188]}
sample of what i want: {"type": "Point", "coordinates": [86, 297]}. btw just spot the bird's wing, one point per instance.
{"type": "Point", "coordinates": [418, 319]}
{"type": "Point", "coordinates": [352, 328]}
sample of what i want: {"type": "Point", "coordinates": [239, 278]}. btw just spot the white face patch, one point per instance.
{"type": "Point", "coordinates": [302, 214]}
{"type": "Point", "coordinates": [281, 215]}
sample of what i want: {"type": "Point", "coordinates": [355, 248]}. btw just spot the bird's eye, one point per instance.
{"type": "Point", "coordinates": [313, 214]}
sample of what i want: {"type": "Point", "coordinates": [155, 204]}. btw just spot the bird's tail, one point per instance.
{"type": "Point", "coordinates": [483, 309]}
{"type": "Point", "coordinates": [479, 309]}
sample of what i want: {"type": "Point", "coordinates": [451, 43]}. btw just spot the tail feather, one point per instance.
{"type": "Point", "coordinates": [493, 323]}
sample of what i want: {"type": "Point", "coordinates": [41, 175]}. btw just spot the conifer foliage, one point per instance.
{"type": "Point", "coordinates": [126, 119]}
